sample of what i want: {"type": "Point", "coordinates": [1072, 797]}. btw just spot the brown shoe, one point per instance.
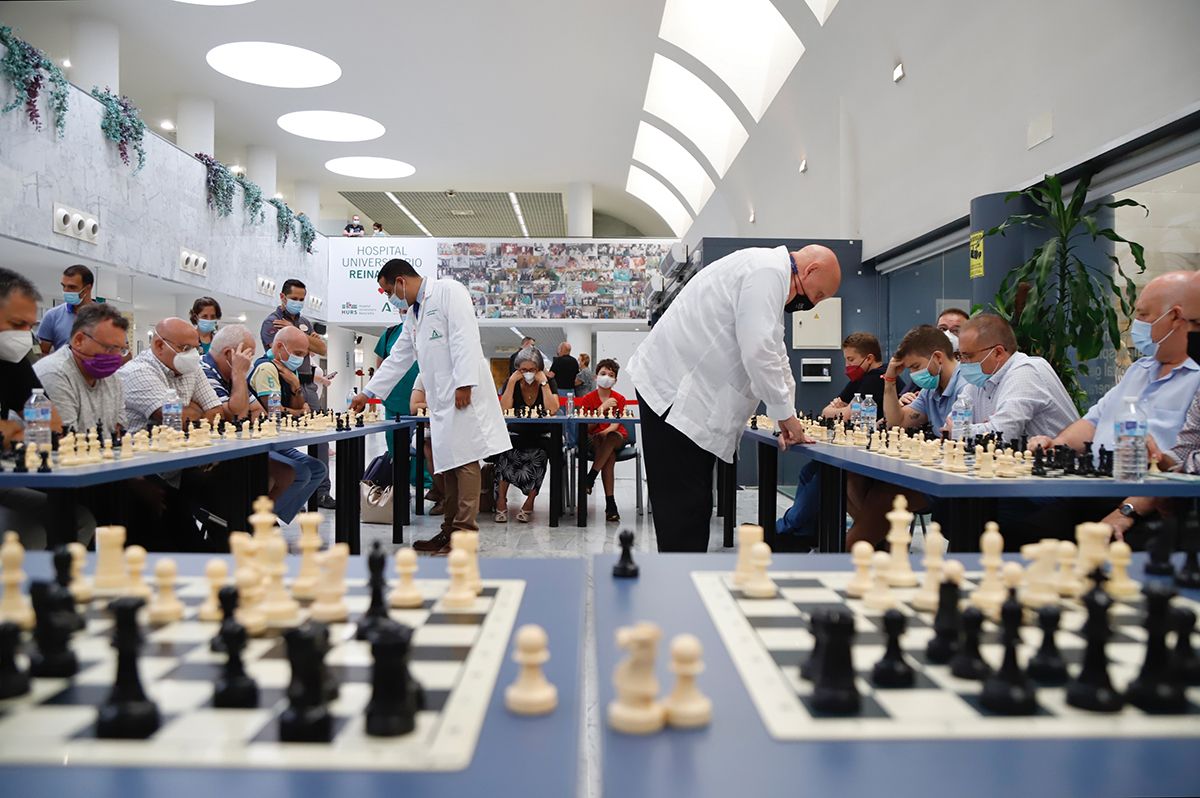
{"type": "Point", "coordinates": [437, 509]}
{"type": "Point", "coordinates": [437, 545]}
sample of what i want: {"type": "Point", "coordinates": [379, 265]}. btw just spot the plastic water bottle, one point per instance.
{"type": "Point", "coordinates": [37, 419]}
{"type": "Point", "coordinates": [869, 413]}
{"type": "Point", "coordinates": [961, 415]}
{"type": "Point", "coordinates": [856, 411]}
{"type": "Point", "coordinates": [1129, 431]}
{"type": "Point", "coordinates": [571, 405]}
{"type": "Point", "coordinates": [172, 411]}
{"type": "Point", "coordinates": [274, 406]}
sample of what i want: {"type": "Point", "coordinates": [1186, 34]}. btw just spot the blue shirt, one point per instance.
{"type": "Point", "coordinates": [935, 404]}
{"type": "Point", "coordinates": [56, 325]}
{"type": "Point", "coordinates": [219, 386]}
{"type": "Point", "coordinates": [1164, 400]}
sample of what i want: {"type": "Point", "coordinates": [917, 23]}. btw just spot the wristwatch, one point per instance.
{"type": "Point", "coordinates": [1129, 512]}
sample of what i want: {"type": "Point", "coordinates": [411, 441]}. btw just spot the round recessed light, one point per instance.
{"type": "Point", "coordinates": [370, 167]}
{"type": "Point", "coordinates": [215, 2]}
{"type": "Point", "coordinates": [167, 125]}
{"type": "Point", "coordinates": [272, 64]}
{"type": "Point", "coordinates": [331, 126]}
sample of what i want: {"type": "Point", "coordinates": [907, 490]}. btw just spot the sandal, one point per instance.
{"type": "Point", "coordinates": [501, 517]}
{"type": "Point", "coordinates": [523, 515]}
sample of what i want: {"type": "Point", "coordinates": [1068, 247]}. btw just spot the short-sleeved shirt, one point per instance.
{"type": "Point", "coordinates": [566, 369]}
{"type": "Point", "coordinates": [591, 401]}
{"type": "Point", "coordinates": [17, 381]}
{"type": "Point", "coordinates": [869, 383]}
{"type": "Point", "coordinates": [937, 404]}
{"type": "Point", "coordinates": [353, 228]}
{"type": "Point", "coordinates": [220, 387]}
{"type": "Point", "coordinates": [264, 380]}
{"type": "Point", "coordinates": [267, 333]}
{"type": "Point", "coordinates": [398, 401]}
{"type": "Point", "coordinates": [56, 324]}
{"type": "Point", "coordinates": [147, 380]}
{"type": "Point", "coordinates": [1164, 400]}
{"type": "Point", "coordinates": [79, 405]}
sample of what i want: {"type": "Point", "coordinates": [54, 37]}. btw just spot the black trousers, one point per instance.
{"type": "Point", "coordinates": [680, 480]}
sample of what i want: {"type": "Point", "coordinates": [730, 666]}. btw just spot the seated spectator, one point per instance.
{"type": "Point", "coordinates": [864, 369]}
{"type": "Point", "coordinates": [18, 313]}
{"type": "Point", "coordinates": [1011, 392]}
{"type": "Point", "coordinates": [205, 314]}
{"type": "Point", "coordinates": [605, 440]}
{"type": "Point", "coordinates": [275, 372]}
{"type": "Point", "coordinates": [79, 379]}
{"type": "Point", "coordinates": [585, 382]}
{"type": "Point", "coordinates": [171, 363]}
{"type": "Point", "coordinates": [54, 331]}
{"type": "Point", "coordinates": [353, 228]}
{"type": "Point", "coordinates": [564, 370]}
{"type": "Point", "coordinates": [377, 229]}
{"type": "Point", "coordinates": [527, 389]}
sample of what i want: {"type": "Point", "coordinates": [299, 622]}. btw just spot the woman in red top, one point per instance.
{"type": "Point", "coordinates": [605, 439]}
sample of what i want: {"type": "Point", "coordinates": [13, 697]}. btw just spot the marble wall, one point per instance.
{"type": "Point", "coordinates": [145, 218]}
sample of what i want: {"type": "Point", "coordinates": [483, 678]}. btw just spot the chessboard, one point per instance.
{"type": "Point", "coordinates": [456, 656]}
{"type": "Point", "coordinates": [768, 639]}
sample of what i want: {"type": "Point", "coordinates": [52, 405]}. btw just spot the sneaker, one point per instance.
{"type": "Point", "coordinates": [326, 502]}
{"type": "Point", "coordinates": [437, 545]}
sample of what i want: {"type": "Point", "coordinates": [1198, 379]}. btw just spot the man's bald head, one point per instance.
{"type": "Point", "coordinates": [817, 273]}
{"type": "Point", "coordinates": [173, 336]}
{"type": "Point", "coordinates": [291, 339]}
{"type": "Point", "coordinates": [564, 348]}
{"type": "Point", "coordinates": [1168, 304]}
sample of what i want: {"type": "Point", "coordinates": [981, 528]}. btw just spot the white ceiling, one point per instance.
{"type": "Point", "coordinates": [478, 95]}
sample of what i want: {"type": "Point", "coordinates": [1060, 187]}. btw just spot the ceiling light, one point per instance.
{"type": "Point", "coordinates": [278, 195]}
{"type": "Point", "coordinates": [803, 165]}
{"type": "Point", "coordinates": [66, 62]}
{"type": "Point", "coordinates": [669, 158]}
{"type": "Point", "coordinates": [273, 64]}
{"type": "Point", "coordinates": [516, 206]}
{"type": "Point", "coordinates": [684, 101]}
{"type": "Point", "coordinates": [898, 73]}
{"type": "Point", "coordinates": [330, 126]}
{"type": "Point", "coordinates": [748, 44]}
{"type": "Point", "coordinates": [167, 125]}
{"type": "Point", "coordinates": [408, 213]}
{"type": "Point", "coordinates": [370, 167]}
{"type": "Point", "coordinates": [517, 332]}
{"type": "Point", "coordinates": [215, 2]}
{"type": "Point", "coordinates": [241, 317]}
{"type": "Point", "coordinates": [237, 169]}
{"type": "Point", "coordinates": [821, 9]}
{"type": "Point", "coordinates": [650, 190]}
{"type": "Point", "coordinates": [751, 216]}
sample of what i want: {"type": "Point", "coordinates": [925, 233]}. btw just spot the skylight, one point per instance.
{"type": "Point", "coordinates": [651, 191]}
{"type": "Point", "coordinates": [272, 64]}
{"type": "Point", "coordinates": [330, 126]}
{"type": "Point", "coordinates": [370, 167]}
{"type": "Point", "coordinates": [669, 158]}
{"type": "Point", "coordinates": [684, 101]}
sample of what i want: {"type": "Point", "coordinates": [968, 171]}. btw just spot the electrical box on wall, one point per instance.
{"type": "Point", "coordinates": [816, 369]}
{"type": "Point", "coordinates": [819, 328]}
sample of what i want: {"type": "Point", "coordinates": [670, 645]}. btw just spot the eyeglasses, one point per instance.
{"type": "Point", "coordinates": [969, 357]}
{"type": "Point", "coordinates": [110, 350]}
{"type": "Point", "coordinates": [179, 349]}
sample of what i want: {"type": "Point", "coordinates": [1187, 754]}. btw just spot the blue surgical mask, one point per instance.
{"type": "Point", "coordinates": [294, 306]}
{"type": "Point", "coordinates": [1143, 339]}
{"type": "Point", "coordinates": [924, 379]}
{"type": "Point", "coordinates": [206, 326]}
{"type": "Point", "coordinates": [398, 302]}
{"type": "Point", "coordinates": [973, 372]}
{"type": "Point", "coordinates": [292, 363]}
{"type": "Point", "coordinates": [71, 297]}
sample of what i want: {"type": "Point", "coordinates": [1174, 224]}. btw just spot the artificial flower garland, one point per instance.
{"type": "Point", "coordinates": [122, 124]}
{"type": "Point", "coordinates": [27, 69]}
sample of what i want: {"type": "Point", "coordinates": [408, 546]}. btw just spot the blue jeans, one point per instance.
{"type": "Point", "coordinates": [309, 474]}
{"type": "Point", "coordinates": [801, 518]}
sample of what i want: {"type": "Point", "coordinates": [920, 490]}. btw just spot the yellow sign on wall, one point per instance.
{"type": "Point", "coordinates": [976, 252]}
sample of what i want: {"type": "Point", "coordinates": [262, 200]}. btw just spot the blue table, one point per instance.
{"type": "Point", "coordinates": [533, 757]}
{"type": "Point", "coordinates": [735, 756]}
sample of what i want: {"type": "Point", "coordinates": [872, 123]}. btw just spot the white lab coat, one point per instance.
{"type": "Point", "coordinates": [719, 349]}
{"type": "Point", "coordinates": [444, 339]}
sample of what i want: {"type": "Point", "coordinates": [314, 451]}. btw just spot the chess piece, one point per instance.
{"type": "Point", "coordinates": [1185, 665]}
{"type": "Point", "coordinates": [249, 615]}
{"type": "Point", "coordinates": [1041, 585]}
{"type": "Point", "coordinates": [1188, 575]}
{"type": "Point", "coordinates": [860, 554]}
{"type": "Point", "coordinates": [625, 567]}
{"type": "Point", "coordinates": [304, 587]}
{"type": "Point", "coordinates": [61, 596]}
{"type": "Point", "coordinates": [53, 657]}
{"type": "Point", "coordinates": [1119, 585]}
{"type": "Point", "coordinates": [1009, 691]}
{"type": "Point", "coordinates": [758, 584]}
{"type": "Point", "coordinates": [834, 690]}
{"type": "Point", "coordinates": [127, 713]}
{"type": "Point", "coordinates": [459, 595]}
{"type": "Point", "coordinates": [234, 687]}
{"type": "Point", "coordinates": [227, 597]}
{"type": "Point", "coordinates": [947, 621]}
{"type": "Point", "coordinates": [406, 595]}
{"type": "Point", "coordinates": [967, 662]}
{"type": "Point", "coordinates": [899, 571]}
{"type": "Point", "coordinates": [1092, 546]}
{"type": "Point", "coordinates": [280, 609]}
{"type": "Point", "coordinates": [217, 572]}
{"type": "Point", "coordinates": [396, 696]}
{"type": "Point", "coordinates": [990, 593]}
{"type": "Point", "coordinates": [330, 606]}
{"type": "Point", "coordinates": [13, 680]}
{"type": "Point", "coordinates": [1069, 584]}
{"type": "Point", "coordinates": [531, 693]}
{"type": "Point", "coordinates": [1156, 690]}
{"type": "Point", "coordinates": [377, 583]}
{"type": "Point", "coordinates": [165, 607]}
{"type": "Point", "coordinates": [469, 542]}
{"type": "Point", "coordinates": [686, 707]}
{"type": "Point", "coordinates": [81, 586]}
{"type": "Point", "coordinates": [880, 597]}
{"type": "Point", "coordinates": [635, 710]}
{"type": "Point", "coordinates": [748, 535]}
{"type": "Point", "coordinates": [1047, 666]}
{"type": "Point", "coordinates": [893, 670]}
{"type": "Point", "coordinates": [14, 606]}
{"type": "Point", "coordinates": [135, 563]}
{"type": "Point", "coordinates": [927, 597]}
{"type": "Point", "coordinates": [985, 463]}
{"type": "Point", "coordinates": [306, 718]}
{"type": "Point", "coordinates": [1092, 689]}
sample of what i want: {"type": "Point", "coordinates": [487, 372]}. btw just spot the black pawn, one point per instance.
{"type": "Point", "coordinates": [228, 598]}
{"type": "Point", "coordinates": [967, 662]}
{"type": "Point", "coordinates": [835, 691]}
{"type": "Point", "coordinates": [19, 466]}
{"type": "Point", "coordinates": [44, 468]}
{"type": "Point", "coordinates": [1156, 690]}
{"type": "Point", "coordinates": [127, 713]}
{"type": "Point", "coordinates": [329, 684]}
{"type": "Point", "coordinates": [63, 598]}
{"type": "Point", "coordinates": [946, 624]}
{"type": "Point", "coordinates": [1047, 665]}
{"type": "Point", "coordinates": [810, 668]}
{"type": "Point", "coordinates": [306, 718]}
{"type": "Point", "coordinates": [358, 422]}
{"type": "Point", "coordinates": [13, 680]}
{"type": "Point", "coordinates": [235, 689]}
{"type": "Point", "coordinates": [1184, 662]}
{"type": "Point", "coordinates": [1039, 463]}
{"type": "Point", "coordinates": [53, 657]}
{"type": "Point", "coordinates": [1009, 691]}
{"type": "Point", "coordinates": [1160, 545]}
{"type": "Point", "coordinates": [1092, 689]}
{"type": "Point", "coordinates": [626, 568]}
{"type": "Point", "coordinates": [893, 670]}
{"type": "Point", "coordinates": [1188, 576]}
{"type": "Point", "coordinates": [378, 610]}
{"type": "Point", "coordinates": [396, 697]}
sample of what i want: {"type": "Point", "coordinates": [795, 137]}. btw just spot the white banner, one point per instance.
{"type": "Point", "coordinates": [354, 265]}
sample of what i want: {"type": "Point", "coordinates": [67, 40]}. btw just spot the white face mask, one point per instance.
{"type": "Point", "coordinates": [605, 381]}
{"type": "Point", "coordinates": [15, 345]}
{"type": "Point", "coordinates": [529, 377]}
{"type": "Point", "coordinates": [186, 362]}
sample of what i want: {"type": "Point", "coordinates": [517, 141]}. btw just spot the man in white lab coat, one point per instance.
{"type": "Point", "coordinates": [465, 422]}
{"type": "Point", "coordinates": [710, 359]}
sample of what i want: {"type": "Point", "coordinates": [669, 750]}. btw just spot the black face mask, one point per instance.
{"type": "Point", "coordinates": [801, 302]}
{"type": "Point", "coordinates": [1194, 346]}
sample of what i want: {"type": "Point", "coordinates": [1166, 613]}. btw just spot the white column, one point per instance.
{"type": "Point", "coordinates": [579, 336]}
{"type": "Point", "coordinates": [579, 210]}
{"type": "Point", "coordinates": [95, 54]}
{"type": "Point", "coordinates": [307, 199]}
{"type": "Point", "coordinates": [260, 167]}
{"type": "Point", "coordinates": [195, 125]}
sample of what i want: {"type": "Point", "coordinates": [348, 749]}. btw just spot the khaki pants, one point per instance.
{"type": "Point", "coordinates": [461, 490]}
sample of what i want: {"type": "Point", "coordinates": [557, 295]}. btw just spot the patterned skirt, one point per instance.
{"type": "Point", "coordinates": [523, 466]}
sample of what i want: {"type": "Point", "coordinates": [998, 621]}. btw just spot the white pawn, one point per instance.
{"type": "Point", "coordinates": [990, 593]}
{"type": "Point", "coordinates": [135, 562]}
{"type": "Point", "coordinates": [985, 462]}
{"type": "Point", "coordinates": [459, 596]}
{"type": "Point", "coordinates": [759, 585]}
{"type": "Point", "coordinates": [281, 609]}
{"type": "Point", "coordinates": [1068, 584]}
{"type": "Point", "coordinates": [304, 587]}
{"type": "Point", "coordinates": [248, 613]}
{"type": "Point", "coordinates": [165, 607]}
{"type": "Point", "coordinates": [900, 572]}
{"type": "Point", "coordinates": [329, 606]}
{"type": "Point", "coordinates": [635, 710]}
{"type": "Point", "coordinates": [880, 597]}
{"type": "Point", "coordinates": [406, 595]}
{"type": "Point", "coordinates": [217, 571]}
{"type": "Point", "coordinates": [927, 597]}
{"type": "Point", "coordinates": [686, 706]}
{"type": "Point", "coordinates": [469, 542]}
{"type": "Point", "coordinates": [860, 554]}
{"type": "Point", "coordinates": [1120, 585]}
{"type": "Point", "coordinates": [748, 535]}
{"type": "Point", "coordinates": [14, 606]}
{"type": "Point", "coordinates": [531, 693]}
{"type": "Point", "coordinates": [81, 586]}
{"type": "Point", "coordinates": [111, 574]}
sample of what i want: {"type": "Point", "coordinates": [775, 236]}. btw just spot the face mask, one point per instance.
{"type": "Point", "coordinates": [800, 301]}
{"type": "Point", "coordinates": [1143, 339]}
{"type": "Point", "coordinates": [398, 301]}
{"type": "Point", "coordinates": [100, 366]}
{"type": "Point", "coordinates": [924, 379]}
{"type": "Point", "coordinates": [528, 376]}
{"type": "Point", "coordinates": [71, 297]}
{"type": "Point", "coordinates": [855, 373]}
{"type": "Point", "coordinates": [953, 340]}
{"type": "Point", "coordinates": [1194, 346]}
{"type": "Point", "coordinates": [293, 362]}
{"type": "Point", "coordinates": [605, 381]}
{"type": "Point", "coordinates": [973, 372]}
{"type": "Point", "coordinates": [206, 326]}
{"type": "Point", "coordinates": [187, 361]}
{"type": "Point", "coordinates": [15, 345]}
{"type": "Point", "coordinates": [294, 306]}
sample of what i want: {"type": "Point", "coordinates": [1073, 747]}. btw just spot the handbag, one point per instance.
{"type": "Point", "coordinates": [375, 506]}
{"type": "Point", "coordinates": [379, 472]}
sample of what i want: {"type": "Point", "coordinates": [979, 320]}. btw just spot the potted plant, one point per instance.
{"type": "Point", "coordinates": [1062, 307]}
